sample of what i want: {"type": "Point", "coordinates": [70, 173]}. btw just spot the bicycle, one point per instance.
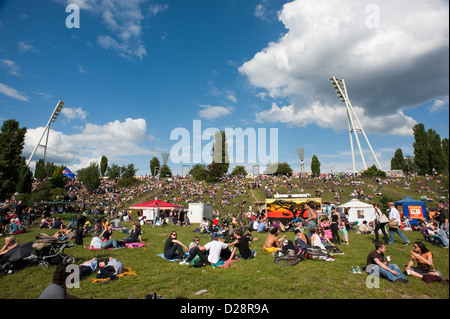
{"type": "Point", "coordinates": [290, 258]}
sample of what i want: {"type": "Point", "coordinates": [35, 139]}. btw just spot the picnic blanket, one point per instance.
{"type": "Point", "coordinates": [134, 245]}
{"type": "Point", "coordinates": [126, 272]}
{"type": "Point", "coordinates": [177, 260]}
{"type": "Point", "coordinates": [93, 248]}
{"type": "Point", "coordinates": [225, 263]}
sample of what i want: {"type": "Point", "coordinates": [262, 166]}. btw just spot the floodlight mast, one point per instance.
{"type": "Point", "coordinates": [52, 119]}
{"type": "Point", "coordinates": [301, 152]}
{"type": "Point", "coordinates": [341, 91]}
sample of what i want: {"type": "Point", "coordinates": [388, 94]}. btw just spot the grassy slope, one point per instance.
{"type": "Point", "coordinates": [259, 278]}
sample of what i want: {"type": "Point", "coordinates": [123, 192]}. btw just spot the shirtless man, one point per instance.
{"type": "Point", "coordinates": [272, 243]}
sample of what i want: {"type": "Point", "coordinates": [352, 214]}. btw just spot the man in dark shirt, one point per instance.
{"type": "Point", "coordinates": [376, 265]}
{"type": "Point", "coordinates": [243, 244]}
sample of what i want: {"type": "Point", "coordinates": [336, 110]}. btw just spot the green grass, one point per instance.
{"type": "Point", "coordinates": [259, 278]}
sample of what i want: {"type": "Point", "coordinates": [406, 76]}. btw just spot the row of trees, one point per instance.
{"type": "Point", "coordinates": [431, 153]}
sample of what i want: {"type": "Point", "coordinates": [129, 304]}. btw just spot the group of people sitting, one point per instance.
{"type": "Point", "coordinates": [211, 253]}
{"type": "Point", "coordinates": [105, 240]}
{"type": "Point", "coordinates": [378, 265]}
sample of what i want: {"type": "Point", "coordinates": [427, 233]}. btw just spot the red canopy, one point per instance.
{"type": "Point", "coordinates": [151, 204]}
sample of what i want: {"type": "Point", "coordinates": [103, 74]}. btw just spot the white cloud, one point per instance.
{"type": "Point", "coordinates": [43, 94]}
{"type": "Point", "coordinates": [114, 140]}
{"type": "Point", "coordinates": [123, 19]}
{"type": "Point", "coordinates": [210, 112]}
{"type": "Point", "coordinates": [74, 113]}
{"type": "Point", "coordinates": [25, 47]}
{"type": "Point", "coordinates": [400, 63]}
{"type": "Point", "coordinates": [81, 69]}
{"type": "Point", "coordinates": [11, 92]}
{"type": "Point", "coordinates": [439, 104]}
{"type": "Point", "coordinates": [157, 8]}
{"type": "Point", "coordinates": [10, 66]}
{"type": "Point", "coordinates": [263, 12]}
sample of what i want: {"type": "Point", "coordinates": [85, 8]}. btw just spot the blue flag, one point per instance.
{"type": "Point", "coordinates": [68, 172]}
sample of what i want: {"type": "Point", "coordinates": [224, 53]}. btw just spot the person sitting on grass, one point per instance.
{"type": "Point", "coordinates": [272, 243]}
{"type": "Point", "coordinates": [134, 235]}
{"type": "Point", "coordinates": [425, 265]}
{"type": "Point", "coordinates": [173, 248]}
{"type": "Point", "coordinates": [377, 265]}
{"type": "Point", "coordinates": [243, 244]}
{"type": "Point", "coordinates": [214, 251]}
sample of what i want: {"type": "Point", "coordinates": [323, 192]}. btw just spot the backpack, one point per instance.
{"type": "Point", "coordinates": [288, 245]}
{"type": "Point", "coordinates": [79, 237]}
{"type": "Point", "coordinates": [81, 220]}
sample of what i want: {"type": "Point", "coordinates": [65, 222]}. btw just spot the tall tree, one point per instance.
{"type": "Point", "coordinates": [129, 171]}
{"type": "Point", "coordinates": [220, 151]}
{"type": "Point", "coordinates": [398, 161]}
{"type": "Point", "coordinates": [199, 172]}
{"type": "Point", "coordinates": [437, 155]}
{"type": "Point", "coordinates": [25, 178]}
{"type": "Point", "coordinates": [90, 177]}
{"type": "Point", "coordinates": [154, 166]}
{"type": "Point", "coordinates": [57, 177]}
{"type": "Point", "coordinates": [165, 171]}
{"type": "Point", "coordinates": [445, 150]}
{"type": "Point", "coordinates": [315, 165]}
{"type": "Point", "coordinates": [39, 170]}
{"type": "Point", "coordinates": [114, 172]}
{"type": "Point", "coordinates": [103, 165]}
{"type": "Point", "coordinates": [421, 149]}
{"type": "Point", "coordinates": [49, 169]}
{"type": "Point", "coordinates": [12, 139]}
{"type": "Point", "coordinates": [239, 169]}
{"type": "Point", "coordinates": [278, 169]}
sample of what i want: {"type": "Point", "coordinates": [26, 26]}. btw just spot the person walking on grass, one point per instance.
{"type": "Point", "coordinates": [394, 216]}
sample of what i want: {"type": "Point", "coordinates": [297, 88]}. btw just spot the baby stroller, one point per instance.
{"type": "Point", "coordinates": [50, 250]}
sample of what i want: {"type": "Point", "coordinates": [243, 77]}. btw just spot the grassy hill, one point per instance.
{"type": "Point", "coordinates": [259, 278]}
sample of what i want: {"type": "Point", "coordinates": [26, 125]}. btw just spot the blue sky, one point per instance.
{"type": "Point", "coordinates": [137, 71]}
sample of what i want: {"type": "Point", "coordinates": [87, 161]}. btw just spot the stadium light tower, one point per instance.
{"type": "Point", "coordinates": [341, 91]}
{"type": "Point", "coordinates": [52, 119]}
{"type": "Point", "coordinates": [301, 152]}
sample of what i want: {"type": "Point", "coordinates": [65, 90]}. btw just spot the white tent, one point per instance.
{"type": "Point", "coordinates": [358, 211]}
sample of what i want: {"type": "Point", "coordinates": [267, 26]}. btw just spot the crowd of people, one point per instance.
{"type": "Point", "coordinates": [231, 234]}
